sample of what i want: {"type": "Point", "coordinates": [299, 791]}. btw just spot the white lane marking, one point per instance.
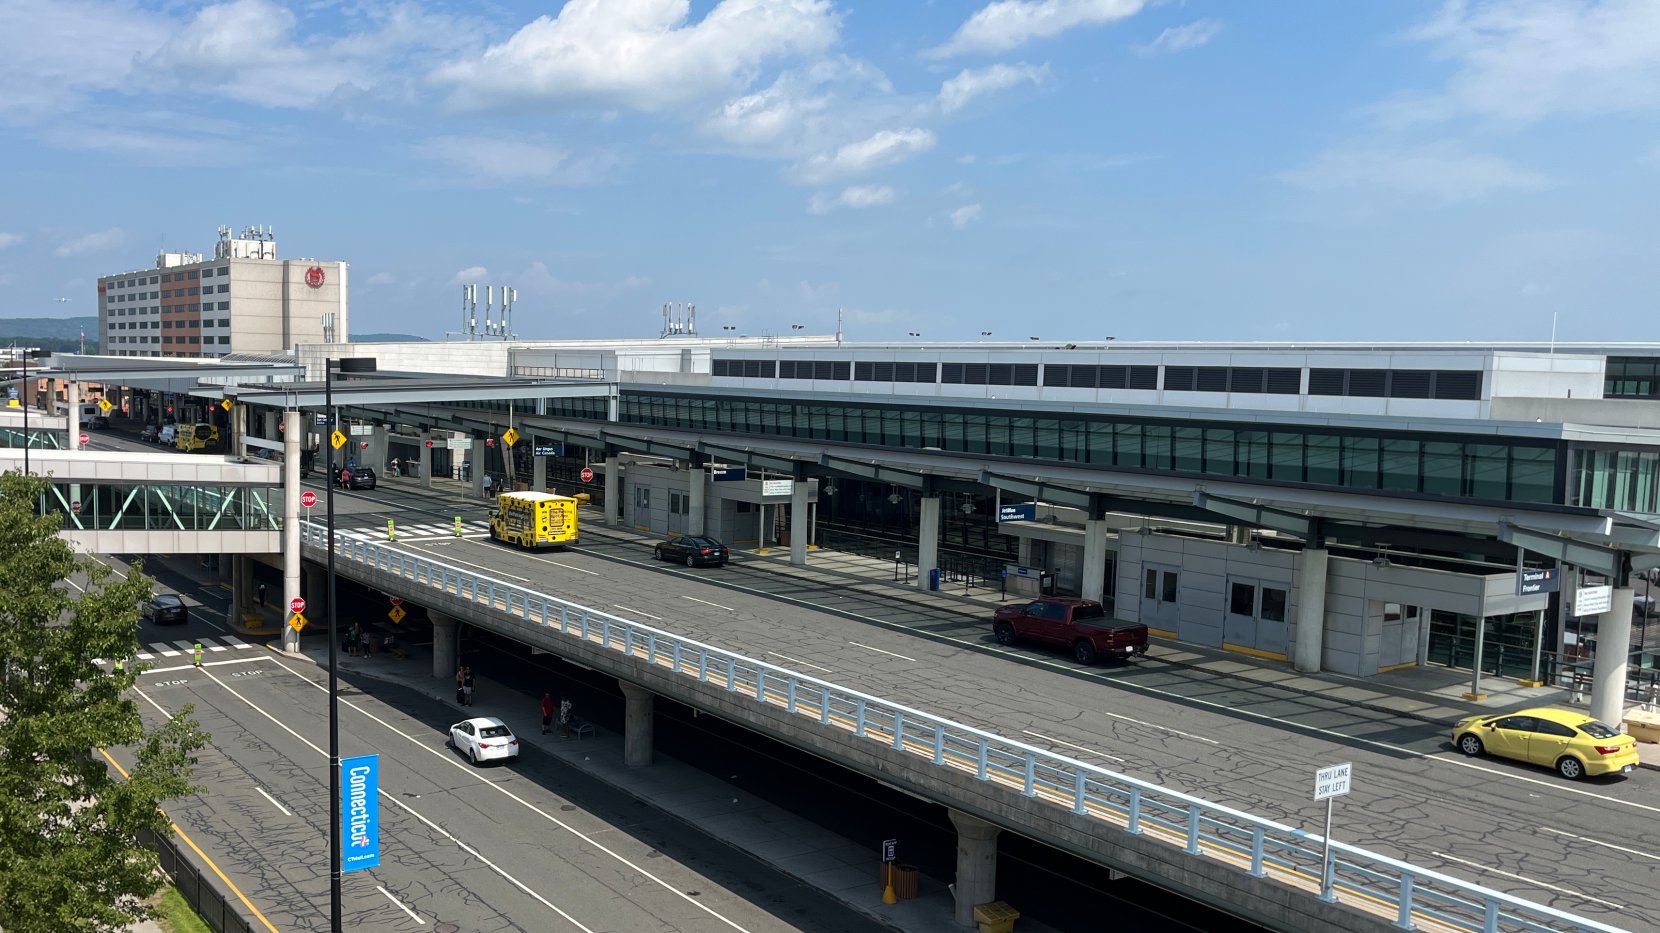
{"type": "Point", "coordinates": [1599, 842]}
{"type": "Point", "coordinates": [1050, 738]}
{"type": "Point", "coordinates": [637, 612]}
{"type": "Point", "coordinates": [187, 645]}
{"type": "Point", "coordinates": [708, 603]}
{"type": "Point", "coordinates": [453, 762]}
{"type": "Point", "coordinates": [591, 573]}
{"type": "Point", "coordinates": [450, 558]}
{"type": "Point", "coordinates": [213, 647]}
{"type": "Point", "coordinates": [857, 644]}
{"type": "Point", "coordinates": [235, 642]}
{"type": "Point", "coordinates": [162, 649]}
{"type": "Point", "coordinates": [144, 656]}
{"type": "Point", "coordinates": [393, 800]}
{"type": "Point", "coordinates": [1526, 880]}
{"type": "Point", "coordinates": [273, 800]}
{"type": "Point", "coordinates": [1154, 725]}
{"type": "Point", "coordinates": [192, 667]}
{"type": "Point", "coordinates": [401, 904]}
{"type": "Point", "coordinates": [800, 662]}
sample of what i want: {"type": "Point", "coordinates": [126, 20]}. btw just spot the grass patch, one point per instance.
{"type": "Point", "coordinates": [175, 916]}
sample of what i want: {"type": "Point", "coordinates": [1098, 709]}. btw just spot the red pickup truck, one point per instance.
{"type": "Point", "coordinates": [1079, 624]}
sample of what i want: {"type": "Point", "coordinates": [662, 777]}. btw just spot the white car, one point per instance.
{"type": "Point", "coordinates": [169, 434]}
{"type": "Point", "coordinates": [484, 739]}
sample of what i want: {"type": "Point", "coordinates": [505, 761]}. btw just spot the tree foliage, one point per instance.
{"type": "Point", "coordinates": [70, 855]}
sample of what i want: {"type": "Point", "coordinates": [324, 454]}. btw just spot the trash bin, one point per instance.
{"type": "Point", "coordinates": [904, 881]}
{"type": "Point", "coordinates": [995, 917]}
{"type": "Point", "coordinates": [934, 578]}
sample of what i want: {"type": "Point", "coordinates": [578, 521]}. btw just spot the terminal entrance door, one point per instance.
{"type": "Point", "coordinates": [1401, 633]}
{"type": "Point", "coordinates": [1159, 608]}
{"type": "Point", "coordinates": [1255, 618]}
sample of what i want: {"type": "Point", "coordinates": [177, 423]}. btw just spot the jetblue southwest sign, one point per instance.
{"type": "Point", "coordinates": [1017, 513]}
{"type": "Point", "coordinates": [360, 812]}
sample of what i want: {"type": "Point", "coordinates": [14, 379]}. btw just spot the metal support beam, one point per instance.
{"type": "Point", "coordinates": [873, 471]}
{"type": "Point", "coordinates": [720, 454]}
{"type": "Point", "coordinates": [1604, 560]}
{"type": "Point", "coordinates": [1043, 492]}
{"type": "Point", "coordinates": [1256, 516]}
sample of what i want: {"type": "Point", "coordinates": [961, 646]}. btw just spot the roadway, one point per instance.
{"type": "Point", "coordinates": [532, 846]}
{"type": "Point", "coordinates": [1591, 847]}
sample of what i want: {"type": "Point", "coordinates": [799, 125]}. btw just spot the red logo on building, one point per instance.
{"type": "Point", "coordinates": [314, 276]}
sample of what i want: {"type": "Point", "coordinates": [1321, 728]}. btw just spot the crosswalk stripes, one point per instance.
{"type": "Point", "coordinates": [163, 650]}
{"type": "Point", "coordinates": [429, 530]}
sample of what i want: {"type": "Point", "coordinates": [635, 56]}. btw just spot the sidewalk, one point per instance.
{"type": "Point", "coordinates": [805, 851]}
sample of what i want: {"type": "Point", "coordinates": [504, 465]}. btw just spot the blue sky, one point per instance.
{"type": "Point", "coordinates": [1209, 169]}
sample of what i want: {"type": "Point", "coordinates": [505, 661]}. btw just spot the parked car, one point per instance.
{"type": "Point", "coordinates": [485, 738]}
{"type": "Point", "coordinates": [150, 433]}
{"type": "Point", "coordinates": [692, 550]}
{"type": "Point", "coordinates": [165, 609]}
{"type": "Point", "coordinates": [362, 477]}
{"type": "Point", "coordinates": [1081, 625]}
{"type": "Point", "coordinates": [1571, 742]}
{"type": "Point", "coordinates": [169, 434]}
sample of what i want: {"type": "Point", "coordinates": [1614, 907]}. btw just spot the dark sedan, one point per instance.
{"type": "Point", "coordinates": [362, 478]}
{"type": "Point", "coordinates": [166, 609]}
{"type": "Point", "coordinates": [692, 550]}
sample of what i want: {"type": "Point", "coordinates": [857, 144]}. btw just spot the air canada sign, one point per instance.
{"type": "Point", "coordinates": [314, 276]}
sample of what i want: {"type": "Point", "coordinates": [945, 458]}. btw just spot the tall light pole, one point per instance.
{"type": "Point", "coordinates": [25, 355]}
{"type": "Point", "coordinates": [347, 365]}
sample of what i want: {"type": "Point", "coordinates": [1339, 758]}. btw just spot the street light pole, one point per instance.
{"type": "Point", "coordinates": [350, 364]}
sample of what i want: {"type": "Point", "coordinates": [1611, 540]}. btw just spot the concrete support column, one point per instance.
{"type": "Point", "coordinates": [697, 508]}
{"type": "Point", "coordinates": [798, 523]}
{"type": "Point", "coordinates": [293, 429]}
{"type": "Point", "coordinates": [613, 490]}
{"type": "Point", "coordinates": [377, 455]}
{"type": "Point", "coordinates": [239, 431]}
{"type": "Point", "coordinates": [976, 864]}
{"type": "Point", "coordinates": [1311, 610]}
{"type": "Point", "coordinates": [268, 425]}
{"type": "Point", "coordinates": [928, 540]}
{"type": "Point", "coordinates": [74, 422]}
{"type": "Point", "coordinates": [476, 458]}
{"type": "Point", "coordinates": [444, 661]}
{"type": "Point", "coordinates": [1023, 551]}
{"type": "Point", "coordinates": [427, 459]}
{"type": "Point", "coordinates": [639, 704]}
{"type": "Point", "coordinates": [538, 471]}
{"type": "Point", "coordinates": [242, 589]}
{"type": "Point", "coordinates": [1608, 668]}
{"type": "Point", "coordinates": [1095, 559]}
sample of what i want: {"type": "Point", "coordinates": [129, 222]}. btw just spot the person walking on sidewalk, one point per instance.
{"type": "Point", "coordinates": [489, 481]}
{"type": "Point", "coordinates": [564, 717]}
{"type": "Point", "coordinates": [460, 685]}
{"type": "Point", "coordinates": [547, 712]}
{"type": "Point", "coordinates": [467, 686]}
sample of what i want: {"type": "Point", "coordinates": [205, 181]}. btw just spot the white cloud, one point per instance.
{"type": "Point", "coordinates": [1181, 38]}
{"type": "Point", "coordinates": [1007, 24]}
{"type": "Point", "coordinates": [380, 278]}
{"type": "Point", "coordinates": [888, 147]}
{"type": "Point", "coordinates": [969, 83]}
{"type": "Point", "coordinates": [965, 215]}
{"type": "Point", "coordinates": [1526, 60]}
{"type": "Point", "coordinates": [92, 242]}
{"type": "Point", "coordinates": [496, 161]}
{"type": "Point", "coordinates": [470, 275]}
{"type": "Point", "coordinates": [1441, 172]}
{"type": "Point", "coordinates": [640, 54]}
{"type": "Point", "coordinates": [856, 196]}
{"type": "Point", "coordinates": [51, 59]}
{"type": "Point", "coordinates": [10, 239]}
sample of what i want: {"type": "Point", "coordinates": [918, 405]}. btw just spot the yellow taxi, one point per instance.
{"type": "Point", "coordinates": [1571, 742]}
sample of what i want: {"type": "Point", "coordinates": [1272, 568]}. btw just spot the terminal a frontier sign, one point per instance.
{"type": "Point", "coordinates": [1532, 582]}
{"type": "Point", "coordinates": [360, 812]}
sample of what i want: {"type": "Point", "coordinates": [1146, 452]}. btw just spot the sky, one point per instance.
{"type": "Point", "coordinates": [1293, 170]}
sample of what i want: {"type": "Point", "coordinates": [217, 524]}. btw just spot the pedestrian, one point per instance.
{"type": "Point", "coordinates": [489, 481]}
{"type": "Point", "coordinates": [261, 590]}
{"type": "Point", "coordinates": [467, 686]}
{"type": "Point", "coordinates": [547, 712]}
{"type": "Point", "coordinates": [460, 685]}
{"type": "Point", "coordinates": [565, 717]}
{"type": "Point", "coordinates": [197, 654]}
{"type": "Point", "coordinates": [346, 478]}
{"type": "Point", "coordinates": [394, 466]}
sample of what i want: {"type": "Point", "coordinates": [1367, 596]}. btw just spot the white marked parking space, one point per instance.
{"type": "Point", "coordinates": [901, 657]}
{"type": "Point", "coordinates": [1087, 751]}
{"type": "Point", "coordinates": [800, 662]}
{"type": "Point", "coordinates": [1526, 880]}
{"type": "Point", "coordinates": [707, 603]}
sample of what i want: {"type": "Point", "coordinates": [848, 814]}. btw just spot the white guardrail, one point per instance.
{"type": "Point", "coordinates": [1410, 896]}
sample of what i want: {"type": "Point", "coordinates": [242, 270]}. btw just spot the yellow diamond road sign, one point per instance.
{"type": "Point", "coordinates": [104, 405]}
{"type": "Point", "coordinates": [298, 622]}
{"type": "Point", "coordinates": [337, 439]}
{"type": "Point", "coordinates": [397, 614]}
{"type": "Point", "coordinates": [225, 404]}
{"type": "Point", "coordinates": [511, 437]}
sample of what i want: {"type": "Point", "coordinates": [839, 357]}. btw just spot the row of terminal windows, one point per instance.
{"type": "Point", "coordinates": [1631, 377]}
{"type": "Point", "coordinates": [1484, 469]}
{"type": "Point", "coordinates": [1278, 380]}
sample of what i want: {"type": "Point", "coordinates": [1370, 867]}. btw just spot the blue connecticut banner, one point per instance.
{"type": "Point", "coordinates": [360, 812]}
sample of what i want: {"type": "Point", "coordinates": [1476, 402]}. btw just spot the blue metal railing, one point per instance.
{"type": "Point", "coordinates": [1407, 895]}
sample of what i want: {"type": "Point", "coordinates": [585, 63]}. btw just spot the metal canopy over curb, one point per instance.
{"type": "Point", "coordinates": [382, 391]}
{"type": "Point", "coordinates": [871, 470]}
{"type": "Point", "coordinates": [1255, 515]}
{"type": "Point", "coordinates": [1593, 557]}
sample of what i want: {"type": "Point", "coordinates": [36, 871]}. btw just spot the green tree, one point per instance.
{"type": "Point", "coordinates": [70, 856]}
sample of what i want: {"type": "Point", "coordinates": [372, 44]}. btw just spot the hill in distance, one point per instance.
{"type": "Point", "coordinates": [60, 330]}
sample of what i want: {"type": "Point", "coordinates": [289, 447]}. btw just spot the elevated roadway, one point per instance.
{"type": "Point", "coordinates": [1590, 848]}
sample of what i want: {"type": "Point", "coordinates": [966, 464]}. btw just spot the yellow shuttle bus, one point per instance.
{"type": "Point", "coordinates": [534, 519]}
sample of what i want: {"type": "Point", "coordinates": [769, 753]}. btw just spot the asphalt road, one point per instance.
{"type": "Point", "coordinates": [1591, 847]}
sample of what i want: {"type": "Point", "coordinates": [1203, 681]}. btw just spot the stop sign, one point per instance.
{"type": "Point", "coordinates": [85, 438]}
{"type": "Point", "coordinates": [397, 600]}
{"type": "Point", "coordinates": [308, 498]}
{"type": "Point", "coordinates": [75, 506]}
{"type": "Point", "coordinates": [297, 604]}
{"type": "Point", "coordinates": [587, 475]}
